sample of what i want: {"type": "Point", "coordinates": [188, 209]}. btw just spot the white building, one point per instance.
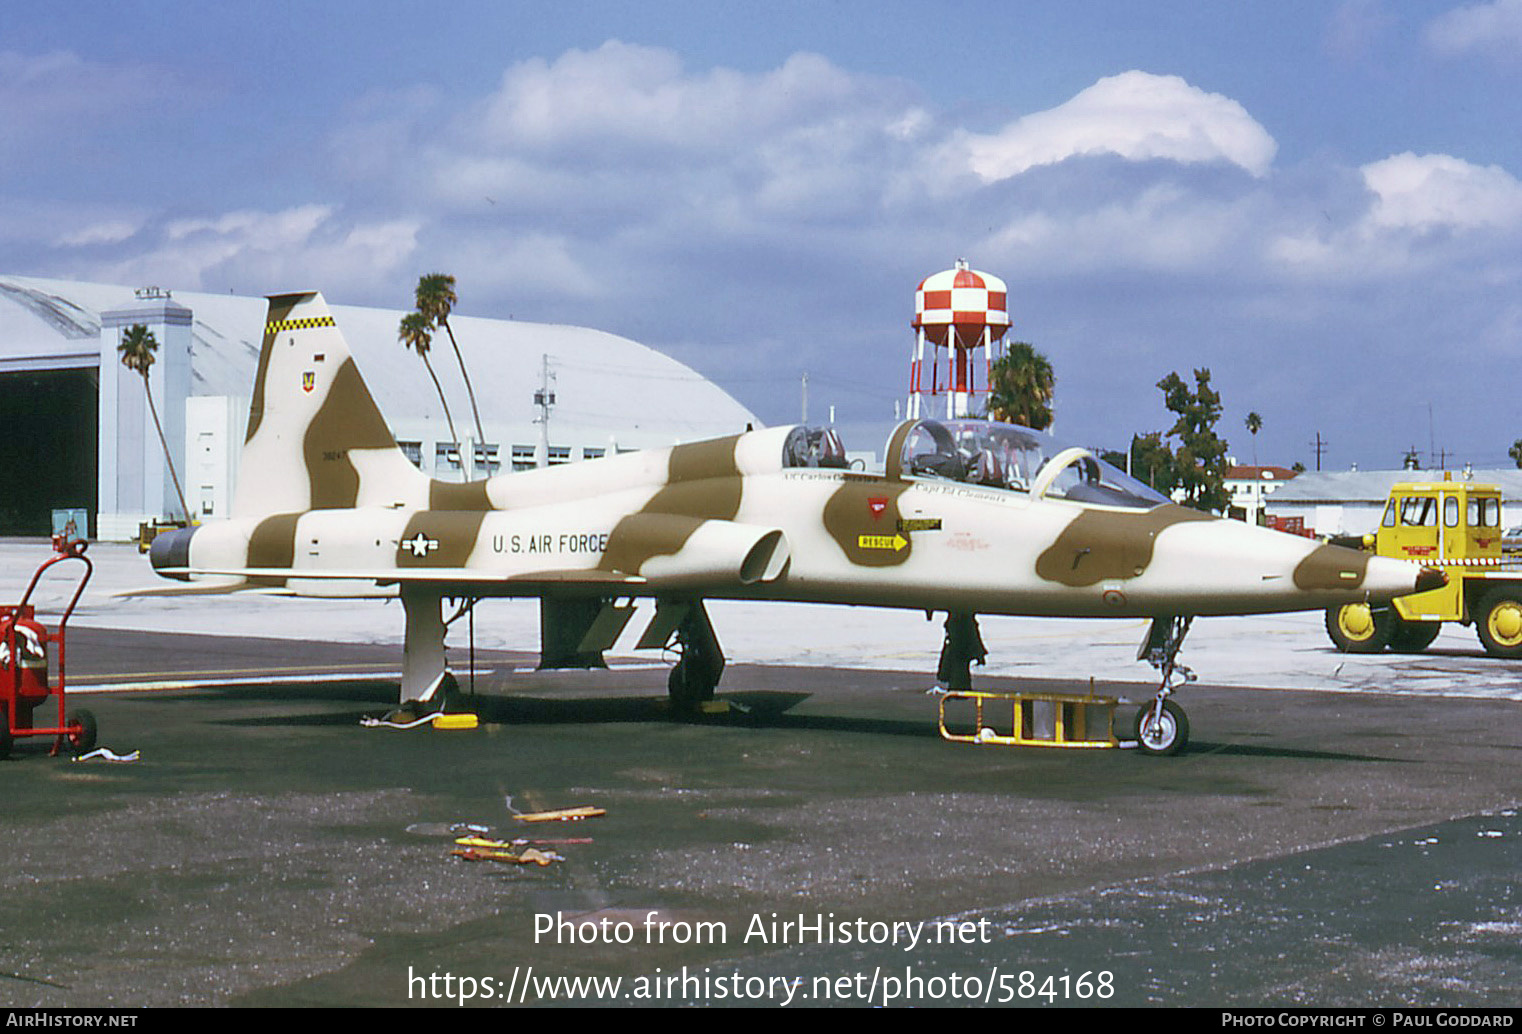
{"type": "Point", "coordinates": [1352, 502]}
{"type": "Point", "coordinates": [82, 436]}
{"type": "Point", "coordinates": [1250, 487]}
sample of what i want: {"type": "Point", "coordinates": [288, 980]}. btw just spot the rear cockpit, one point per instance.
{"type": "Point", "coordinates": [987, 454]}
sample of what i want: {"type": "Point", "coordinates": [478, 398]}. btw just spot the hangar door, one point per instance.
{"type": "Point", "coordinates": [48, 456]}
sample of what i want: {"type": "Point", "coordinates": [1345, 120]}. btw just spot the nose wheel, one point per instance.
{"type": "Point", "coordinates": [1162, 728]}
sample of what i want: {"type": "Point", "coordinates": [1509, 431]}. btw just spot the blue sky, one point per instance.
{"type": "Point", "coordinates": [1320, 202]}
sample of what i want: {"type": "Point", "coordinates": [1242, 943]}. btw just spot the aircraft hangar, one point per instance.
{"type": "Point", "coordinates": [82, 436]}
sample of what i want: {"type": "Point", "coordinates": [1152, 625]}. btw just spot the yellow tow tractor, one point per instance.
{"type": "Point", "coordinates": [1455, 526]}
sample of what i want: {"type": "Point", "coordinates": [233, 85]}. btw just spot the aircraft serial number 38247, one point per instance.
{"type": "Point", "coordinates": [967, 517]}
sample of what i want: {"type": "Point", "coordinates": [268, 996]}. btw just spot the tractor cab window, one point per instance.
{"type": "Point", "coordinates": [1418, 511]}
{"type": "Point", "coordinates": [1016, 459]}
{"type": "Point", "coordinates": [813, 447]}
{"type": "Point", "coordinates": [1484, 512]}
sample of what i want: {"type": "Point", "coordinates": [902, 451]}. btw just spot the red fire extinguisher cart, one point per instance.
{"type": "Point", "coordinates": [24, 663]}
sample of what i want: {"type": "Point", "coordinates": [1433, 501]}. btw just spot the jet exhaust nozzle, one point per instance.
{"type": "Point", "coordinates": [170, 553]}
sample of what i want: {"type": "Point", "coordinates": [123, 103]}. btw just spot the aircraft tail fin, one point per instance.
{"type": "Point", "coordinates": [316, 439]}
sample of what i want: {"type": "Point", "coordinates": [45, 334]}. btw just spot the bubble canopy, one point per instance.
{"type": "Point", "coordinates": [987, 454]}
{"type": "Point", "coordinates": [1015, 459]}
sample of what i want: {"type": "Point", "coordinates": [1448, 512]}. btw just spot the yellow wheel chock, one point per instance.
{"type": "Point", "coordinates": [1036, 720]}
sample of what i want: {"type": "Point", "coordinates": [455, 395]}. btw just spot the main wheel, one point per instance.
{"type": "Point", "coordinates": [83, 740]}
{"type": "Point", "coordinates": [1164, 735]}
{"type": "Point", "coordinates": [1499, 623]}
{"type": "Point", "coordinates": [688, 687]}
{"type": "Point", "coordinates": [1413, 636]}
{"type": "Point", "coordinates": [5, 738]}
{"type": "Point", "coordinates": [1359, 628]}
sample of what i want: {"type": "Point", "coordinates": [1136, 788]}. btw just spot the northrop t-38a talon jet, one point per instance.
{"type": "Point", "coordinates": [968, 517]}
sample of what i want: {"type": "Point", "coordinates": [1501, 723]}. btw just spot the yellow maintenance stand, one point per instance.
{"type": "Point", "coordinates": [1036, 719]}
{"type": "Point", "coordinates": [1454, 526]}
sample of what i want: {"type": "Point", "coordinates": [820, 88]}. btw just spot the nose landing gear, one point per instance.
{"type": "Point", "coordinates": [1162, 728]}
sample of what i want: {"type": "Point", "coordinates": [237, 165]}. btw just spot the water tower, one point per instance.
{"type": "Point", "coordinates": [958, 311]}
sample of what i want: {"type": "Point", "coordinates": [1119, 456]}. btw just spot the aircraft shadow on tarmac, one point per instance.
{"type": "Point", "coordinates": [767, 709]}
{"type": "Point", "coordinates": [1201, 748]}
{"type": "Point", "coordinates": [759, 709]}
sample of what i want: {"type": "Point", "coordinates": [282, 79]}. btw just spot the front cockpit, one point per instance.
{"type": "Point", "coordinates": [814, 447]}
{"type": "Point", "coordinates": [987, 454]}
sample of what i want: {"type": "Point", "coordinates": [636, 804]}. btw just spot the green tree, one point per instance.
{"type": "Point", "coordinates": [1254, 424]}
{"type": "Point", "coordinates": [1515, 452]}
{"type": "Point", "coordinates": [1200, 458]}
{"type": "Point", "coordinates": [416, 332]}
{"type": "Point", "coordinates": [1021, 386]}
{"type": "Point", "coordinates": [436, 299]}
{"type": "Point", "coordinates": [1152, 461]}
{"type": "Point", "coordinates": [137, 349]}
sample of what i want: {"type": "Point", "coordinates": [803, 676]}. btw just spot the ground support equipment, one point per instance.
{"type": "Point", "coordinates": [1036, 720]}
{"type": "Point", "coordinates": [24, 682]}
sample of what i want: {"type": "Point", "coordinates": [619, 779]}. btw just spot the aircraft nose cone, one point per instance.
{"type": "Point", "coordinates": [1362, 576]}
{"type": "Point", "coordinates": [1431, 578]}
{"type": "Point", "coordinates": [1386, 579]}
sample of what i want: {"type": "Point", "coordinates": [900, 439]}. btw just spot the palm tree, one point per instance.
{"type": "Point", "coordinates": [1021, 386]}
{"type": "Point", "coordinates": [137, 347]}
{"type": "Point", "coordinates": [416, 333]}
{"type": "Point", "coordinates": [436, 299]}
{"type": "Point", "coordinates": [1254, 425]}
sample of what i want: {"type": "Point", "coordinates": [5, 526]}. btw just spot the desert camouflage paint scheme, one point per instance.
{"type": "Point", "coordinates": [967, 517]}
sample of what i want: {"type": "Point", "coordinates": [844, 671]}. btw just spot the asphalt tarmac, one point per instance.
{"type": "Point", "coordinates": [266, 849]}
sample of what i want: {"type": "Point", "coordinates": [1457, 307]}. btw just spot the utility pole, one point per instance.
{"type": "Point", "coordinates": [1431, 436]}
{"type": "Point", "coordinates": [1320, 445]}
{"type": "Point", "coordinates": [544, 398]}
{"type": "Point", "coordinates": [805, 398]}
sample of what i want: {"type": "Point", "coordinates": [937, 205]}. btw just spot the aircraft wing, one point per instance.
{"type": "Point", "coordinates": [257, 579]}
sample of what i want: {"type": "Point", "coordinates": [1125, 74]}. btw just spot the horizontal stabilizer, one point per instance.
{"type": "Point", "coordinates": [199, 590]}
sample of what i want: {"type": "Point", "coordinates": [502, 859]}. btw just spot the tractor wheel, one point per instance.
{"type": "Point", "coordinates": [1414, 636]}
{"type": "Point", "coordinates": [1499, 623]}
{"type": "Point", "coordinates": [1360, 628]}
{"type": "Point", "coordinates": [82, 741]}
{"type": "Point", "coordinates": [5, 738]}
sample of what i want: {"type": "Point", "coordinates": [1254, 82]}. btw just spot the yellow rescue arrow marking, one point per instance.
{"type": "Point", "coordinates": [893, 542]}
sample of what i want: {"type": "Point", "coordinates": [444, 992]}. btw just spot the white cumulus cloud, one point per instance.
{"type": "Point", "coordinates": [1494, 28]}
{"type": "Point", "coordinates": [622, 94]}
{"type": "Point", "coordinates": [1135, 115]}
{"type": "Point", "coordinates": [1428, 191]}
{"type": "Point", "coordinates": [307, 244]}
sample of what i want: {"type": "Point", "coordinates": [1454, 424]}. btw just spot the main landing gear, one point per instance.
{"type": "Point", "coordinates": [700, 661]}
{"type": "Point", "coordinates": [1162, 728]}
{"type": "Point", "coordinates": [962, 648]}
